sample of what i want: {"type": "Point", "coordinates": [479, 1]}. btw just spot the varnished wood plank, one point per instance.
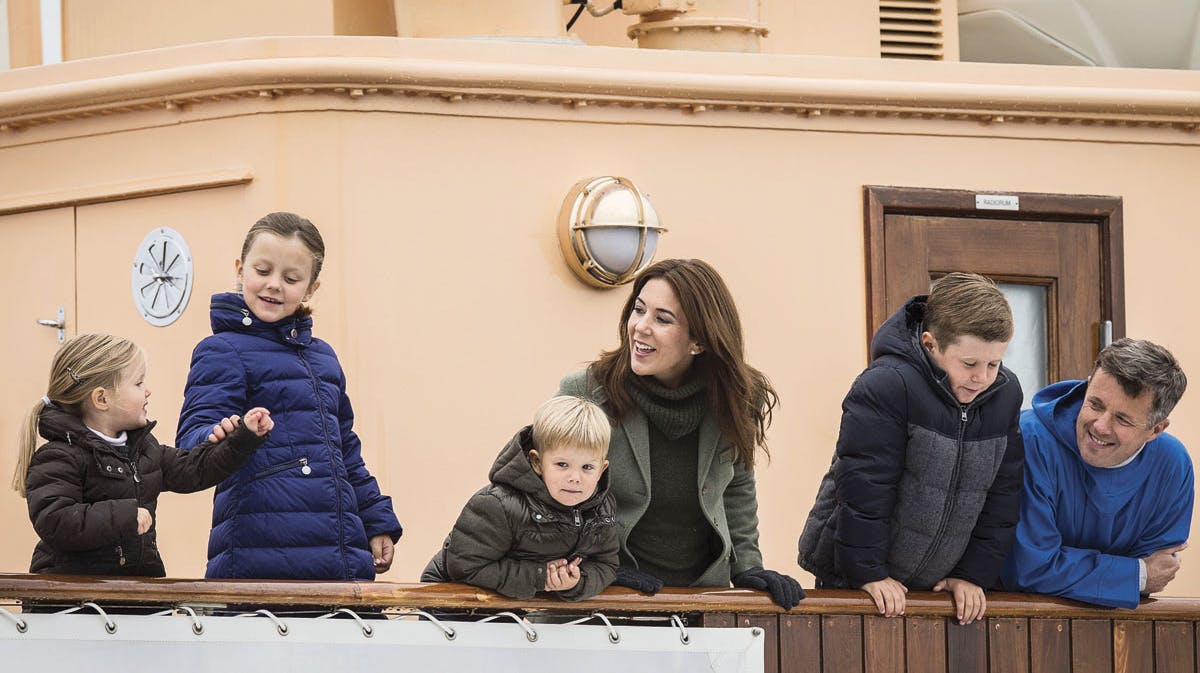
{"type": "Point", "coordinates": [966, 647]}
{"type": "Point", "coordinates": [1091, 646]}
{"type": "Point", "coordinates": [1174, 650]}
{"type": "Point", "coordinates": [925, 644]}
{"type": "Point", "coordinates": [770, 633]}
{"type": "Point", "coordinates": [1008, 645]}
{"type": "Point", "coordinates": [717, 620]}
{"type": "Point", "coordinates": [72, 589]}
{"type": "Point", "coordinates": [841, 644]}
{"type": "Point", "coordinates": [1049, 646]}
{"type": "Point", "coordinates": [1133, 647]}
{"type": "Point", "coordinates": [883, 644]}
{"type": "Point", "coordinates": [799, 643]}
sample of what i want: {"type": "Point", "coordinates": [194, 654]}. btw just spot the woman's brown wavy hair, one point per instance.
{"type": "Point", "coordinates": [739, 396]}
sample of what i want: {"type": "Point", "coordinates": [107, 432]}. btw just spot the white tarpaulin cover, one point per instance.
{"type": "Point", "coordinates": [81, 642]}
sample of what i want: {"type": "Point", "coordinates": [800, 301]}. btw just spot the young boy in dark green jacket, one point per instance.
{"type": "Point", "coordinates": [545, 523]}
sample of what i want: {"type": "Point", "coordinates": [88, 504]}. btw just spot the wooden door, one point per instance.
{"type": "Point", "coordinates": [39, 275]}
{"type": "Point", "coordinates": [1067, 247]}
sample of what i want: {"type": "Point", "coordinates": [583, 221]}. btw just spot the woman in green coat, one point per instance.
{"type": "Point", "coordinates": [689, 414]}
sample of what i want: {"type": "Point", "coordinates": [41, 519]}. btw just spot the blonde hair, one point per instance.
{"type": "Point", "coordinates": [571, 421]}
{"type": "Point", "coordinates": [84, 363]}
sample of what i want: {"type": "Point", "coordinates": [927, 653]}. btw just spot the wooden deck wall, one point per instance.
{"type": "Point", "coordinates": [829, 632]}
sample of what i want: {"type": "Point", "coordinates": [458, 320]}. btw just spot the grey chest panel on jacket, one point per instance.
{"type": "Point", "coordinates": [938, 499]}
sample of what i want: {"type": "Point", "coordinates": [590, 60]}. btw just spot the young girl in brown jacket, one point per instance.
{"type": "Point", "coordinates": [93, 487]}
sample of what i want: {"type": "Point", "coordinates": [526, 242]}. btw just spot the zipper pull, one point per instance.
{"type": "Point", "coordinates": [246, 317]}
{"type": "Point", "coordinates": [964, 414]}
{"type": "Point", "coordinates": [304, 468]}
{"type": "Point", "coordinates": [133, 468]}
{"type": "Point", "coordinates": [578, 519]}
{"type": "Point", "coordinates": [120, 556]}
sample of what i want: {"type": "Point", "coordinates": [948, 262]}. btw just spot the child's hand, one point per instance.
{"type": "Point", "coordinates": [259, 421]}
{"type": "Point", "coordinates": [382, 550]}
{"type": "Point", "coordinates": [223, 429]}
{"type": "Point", "coordinates": [561, 575]}
{"type": "Point", "coordinates": [888, 595]}
{"type": "Point", "coordinates": [969, 600]}
{"type": "Point", "coordinates": [144, 520]}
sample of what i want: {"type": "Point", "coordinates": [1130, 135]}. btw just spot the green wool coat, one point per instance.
{"type": "Point", "coordinates": [727, 493]}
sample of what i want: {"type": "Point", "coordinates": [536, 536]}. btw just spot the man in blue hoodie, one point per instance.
{"type": "Point", "coordinates": [1108, 495]}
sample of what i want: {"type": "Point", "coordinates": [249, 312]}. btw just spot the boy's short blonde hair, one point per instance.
{"type": "Point", "coordinates": [571, 421]}
{"type": "Point", "coordinates": [967, 304]}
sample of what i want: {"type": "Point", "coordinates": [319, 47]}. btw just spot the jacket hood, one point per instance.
{"type": "Point", "coordinates": [513, 469]}
{"type": "Point", "coordinates": [229, 313]}
{"type": "Point", "coordinates": [57, 425]}
{"type": "Point", "coordinates": [900, 333]}
{"type": "Point", "coordinates": [1057, 407]}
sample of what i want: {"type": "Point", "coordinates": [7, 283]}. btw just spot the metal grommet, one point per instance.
{"type": "Point", "coordinates": [367, 631]}
{"type": "Point", "coordinates": [683, 634]}
{"type": "Point", "coordinates": [21, 624]}
{"type": "Point", "coordinates": [450, 633]}
{"type": "Point", "coordinates": [197, 626]}
{"type": "Point", "coordinates": [530, 634]}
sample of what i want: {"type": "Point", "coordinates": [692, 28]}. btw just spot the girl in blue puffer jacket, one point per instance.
{"type": "Point", "coordinates": [304, 506]}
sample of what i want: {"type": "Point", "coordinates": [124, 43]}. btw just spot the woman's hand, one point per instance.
{"type": "Point", "coordinates": [561, 575]}
{"type": "Point", "coordinates": [888, 595]}
{"type": "Point", "coordinates": [382, 552]}
{"type": "Point", "coordinates": [969, 599]}
{"type": "Point", "coordinates": [785, 591]}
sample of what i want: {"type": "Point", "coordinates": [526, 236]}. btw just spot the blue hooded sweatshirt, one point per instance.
{"type": "Point", "coordinates": [1083, 528]}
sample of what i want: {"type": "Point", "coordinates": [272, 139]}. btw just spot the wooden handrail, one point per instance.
{"type": "Point", "coordinates": [67, 588]}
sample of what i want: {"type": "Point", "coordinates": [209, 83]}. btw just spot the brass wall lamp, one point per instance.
{"type": "Point", "coordinates": [608, 230]}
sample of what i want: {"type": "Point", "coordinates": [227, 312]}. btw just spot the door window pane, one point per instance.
{"type": "Point", "coordinates": [1027, 354]}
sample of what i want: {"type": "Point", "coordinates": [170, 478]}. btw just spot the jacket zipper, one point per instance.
{"type": "Point", "coordinates": [301, 462]}
{"type": "Point", "coordinates": [949, 509]}
{"type": "Point", "coordinates": [578, 519]}
{"type": "Point", "coordinates": [120, 556]}
{"type": "Point", "coordinates": [333, 462]}
{"type": "Point", "coordinates": [137, 496]}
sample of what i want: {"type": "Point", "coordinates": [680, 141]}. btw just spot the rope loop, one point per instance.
{"type": "Point", "coordinates": [530, 634]}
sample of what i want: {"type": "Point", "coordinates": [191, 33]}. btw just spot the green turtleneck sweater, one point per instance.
{"type": "Point", "coordinates": [673, 540]}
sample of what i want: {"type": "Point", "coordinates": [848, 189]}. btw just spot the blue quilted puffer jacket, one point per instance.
{"type": "Point", "coordinates": [304, 505]}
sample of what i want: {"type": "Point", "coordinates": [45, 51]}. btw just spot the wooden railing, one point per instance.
{"type": "Point", "coordinates": [830, 631]}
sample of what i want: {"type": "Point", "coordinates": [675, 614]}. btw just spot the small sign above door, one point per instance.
{"type": "Point", "coordinates": [997, 202]}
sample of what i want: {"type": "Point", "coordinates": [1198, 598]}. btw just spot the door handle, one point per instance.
{"type": "Point", "coordinates": [60, 324]}
{"type": "Point", "coordinates": [1106, 328]}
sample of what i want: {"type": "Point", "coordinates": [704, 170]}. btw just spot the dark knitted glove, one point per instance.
{"type": "Point", "coordinates": [784, 590]}
{"type": "Point", "coordinates": [633, 578]}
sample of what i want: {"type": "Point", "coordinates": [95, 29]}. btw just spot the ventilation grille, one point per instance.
{"type": "Point", "coordinates": [911, 29]}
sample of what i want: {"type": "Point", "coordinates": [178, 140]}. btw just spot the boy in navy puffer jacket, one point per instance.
{"type": "Point", "coordinates": [924, 490]}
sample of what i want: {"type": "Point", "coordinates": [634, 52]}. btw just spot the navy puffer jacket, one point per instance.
{"type": "Point", "coordinates": [304, 506]}
{"type": "Point", "coordinates": [921, 487]}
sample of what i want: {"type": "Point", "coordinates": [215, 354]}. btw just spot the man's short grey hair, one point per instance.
{"type": "Point", "coordinates": [1139, 365]}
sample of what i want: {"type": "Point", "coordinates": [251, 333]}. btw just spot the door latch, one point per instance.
{"type": "Point", "coordinates": [60, 324]}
